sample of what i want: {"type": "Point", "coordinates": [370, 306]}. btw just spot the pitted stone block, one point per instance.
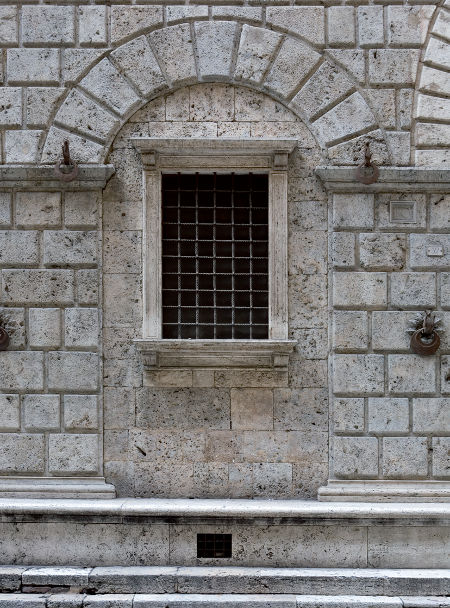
{"type": "Point", "coordinates": [341, 26]}
{"type": "Point", "coordinates": [9, 413]}
{"type": "Point", "coordinates": [348, 415]}
{"type": "Point", "coordinates": [48, 25]}
{"type": "Point", "coordinates": [350, 330]}
{"type": "Point", "coordinates": [44, 327]}
{"type": "Point", "coordinates": [92, 25]}
{"type": "Point", "coordinates": [54, 287]}
{"type": "Point", "coordinates": [72, 371]}
{"type": "Point", "coordinates": [431, 415]}
{"type": "Point", "coordinates": [360, 289]}
{"type": "Point", "coordinates": [173, 47]}
{"type": "Point", "coordinates": [41, 412]}
{"type": "Point", "coordinates": [10, 106]}
{"type": "Point", "coordinates": [408, 25]}
{"type": "Point", "coordinates": [370, 26]}
{"type": "Point", "coordinates": [396, 466]}
{"type": "Point", "coordinates": [25, 66]}
{"type": "Point", "coordinates": [21, 453]}
{"type": "Point", "coordinates": [84, 150]}
{"type": "Point", "coordinates": [70, 248]}
{"type": "Point", "coordinates": [306, 21]}
{"type": "Point", "coordinates": [393, 66]}
{"type": "Point", "coordinates": [348, 117]}
{"type": "Point", "coordinates": [343, 249]}
{"type": "Point", "coordinates": [441, 451]}
{"type": "Point", "coordinates": [80, 412]}
{"type": "Point", "coordinates": [19, 247]}
{"type": "Point", "coordinates": [8, 25]}
{"type": "Point", "coordinates": [413, 290]}
{"type": "Point", "coordinates": [215, 43]}
{"type": "Point", "coordinates": [256, 49]}
{"type": "Point", "coordinates": [388, 415]}
{"type": "Point", "coordinates": [412, 374]}
{"type": "Point", "coordinates": [382, 251]}
{"type": "Point", "coordinates": [129, 20]}
{"type": "Point", "coordinates": [81, 327]}
{"type": "Point", "coordinates": [355, 457]}
{"type": "Point", "coordinates": [358, 374]}
{"type": "Point", "coordinates": [21, 370]}
{"type": "Point", "coordinates": [22, 146]}
{"type": "Point", "coordinates": [73, 453]}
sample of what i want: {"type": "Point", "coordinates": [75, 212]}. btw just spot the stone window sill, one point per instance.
{"type": "Point", "coordinates": [217, 354]}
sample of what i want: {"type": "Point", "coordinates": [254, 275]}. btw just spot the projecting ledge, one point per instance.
{"type": "Point", "coordinates": [216, 354]}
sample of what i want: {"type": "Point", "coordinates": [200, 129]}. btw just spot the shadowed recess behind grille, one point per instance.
{"type": "Point", "coordinates": [215, 256]}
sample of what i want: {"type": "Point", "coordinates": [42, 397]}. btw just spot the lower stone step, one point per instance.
{"type": "Point", "coordinates": [73, 600]}
{"type": "Point", "coordinates": [181, 580]}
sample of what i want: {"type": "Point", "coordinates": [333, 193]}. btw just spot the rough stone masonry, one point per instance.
{"type": "Point", "coordinates": [76, 406]}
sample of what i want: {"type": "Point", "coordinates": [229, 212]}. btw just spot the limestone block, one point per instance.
{"type": "Point", "coordinates": [123, 372]}
{"type": "Point", "coordinates": [445, 375]}
{"type": "Point", "coordinates": [120, 474]}
{"type": "Point", "coordinates": [349, 116]}
{"type": "Point", "coordinates": [251, 408]}
{"type": "Point", "coordinates": [348, 415]}
{"type": "Point", "coordinates": [352, 60]}
{"type": "Point", "coordinates": [19, 247]}
{"type": "Point", "coordinates": [350, 330]}
{"type": "Point", "coordinates": [122, 215]}
{"type": "Point", "coordinates": [445, 289]}
{"type": "Point", "coordinates": [305, 374]}
{"type": "Point", "coordinates": [21, 453]}
{"type": "Point", "coordinates": [307, 301]}
{"type": "Point", "coordinates": [128, 20]}
{"type": "Point", "coordinates": [76, 63]}
{"type": "Point", "coordinates": [167, 378]}
{"type": "Point", "coordinates": [256, 48]}
{"type": "Point", "coordinates": [432, 135]}
{"type": "Point", "coordinates": [351, 152]}
{"type": "Point", "coordinates": [429, 107]}
{"type": "Point", "coordinates": [370, 26]}
{"type": "Point", "coordinates": [282, 446]}
{"type": "Point", "coordinates": [80, 412]}
{"type": "Point", "coordinates": [205, 103]}
{"type": "Point", "coordinates": [353, 210]}
{"type": "Point", "coordinates": [15, 317]}
{"type": "Point", "coordinates": [81, 327]}
{"type": "Point", "coordinates": [431, 158]}
{"type": "Point", "coordinates": [341, 26]}
{"type": "Point", "coordinates": [54, 287]}
{"type": "Point", "coordinates": [393, 66]}
{"type": "Point", "coordinates": [8, 25]}
{"type": "Point", "coordinates": [118, 343]}
{"type": "Point", "coordinates": [438, 53]}
{"type": "Point", "coordinates": [118, 408]}
{"type": "Point", "coordinates": [21, 370]}
{"type": "Point", "coordinates": [122, 251]}
{"type": "Point", "coordinates": [210, 479]}
{"type": "Point", "coordinates": [158, 446]}
{"type": "Point", "coordinates": [69, 247]}
{"type": "Point", "coordinates": [396, 466]}
{"type": "Point", "coordinates": [87, 287]}
{"type": "Point", "coordinates": [388, 415]}
{"type": "Point", "coordinates": [312, 343]}
{"type": "Point", "coordinates": [300, 409]}
{"type": "Point", "coordinates": [343, 249]}
{"type": "Point", "coordinates": [172, 408]}
{"type": "Point", "coordinates": [5, 209]}
{"type": "Point", "coordinates": [166, 480]}
{"type": "Point", "coordinates": [441, 457]}
{"type": "Point", "coordinates": [326, 86]}
{"type": "Point", "coordinates": [307, 215]}
{"type": "Point", "coordinates": [183, 129]}
{"type": "Point", "coordinates": [252, 105]}
{"type": "Point", "coordinates": [355, 457]}
{"type": "Point", "coordinates": [285, 76]}
{"type": "Point", "coordinates": [431, 415]}
{"type": "Point", "coordinates": [178, 106]}
{"type": "Point", "coordinates": [272, 479]}
{"type": "Point", "coordinates": [173, 47]}
{"type": "Point", "coordinates": [382, 251]}
{"type": "Point", "coordinates": [25, 66]}
{"type": "Point", "coordinates": [92, 25]}
{"type": "Point", "coordinates": [65, 600]}
{"type": "Point", "coordinates": [80, 209]}
{"type": "Point", "coordinates": [434, 80]}
{"type": "Point", "coordinates": [411, 374]}
{"type": "Point", "coordinates": [44, 327]}
{"type": "Point", "coordinates": [389, 330]}
{"type": "Point", "coordinates": [244, 13]}
{"type": "Point", "coordinates": [22, 146]}
{"type": "Point", "coordinates": [106, 84]}
{"type": "Point", "coordinates": [41, 412]}
{"type": "Point", "coordinates": [183, 13]}
{"type": "Point", "coordinates": [399, 144]}
{"type": "Point", "coordinates": [80, 113]}
{"type": "Point", "coordinates": [363, 290]}
{"type": "Point", "coordinates": [131, 57]}
{"type": "Point", "coordinates": [84, 150]}
{"type": "Point", "coordinates": [422, 245]}
{"type": "Point", "coordinates": [405, 105]}
{"type": "Point", "coordinates": [10, 106]}
{"type": "Point", "coordinates": [307, 252]}
{"type": "Point", "coordinates": [306, 21]}
{"type": "Point", "coordinates": [358, 374]}
{"type": "Point", "coordinates": [9, 413]}
{"type": "Point", "coordinates": [38, 209]}
{"type": "Point", "coordinates": [72, 371]}
{"type": "Point", "coordinates": [48, 25]}
{"type": "Point", "coordinates": [408, 25]}
{"type": "Point", "coordinates": [439, 211]}
{"type": "Point", "coordinates": [123, 292]}
{"type": "Point", "coordinates": [73, 454]}
{"type": "Point", "coordinates": [215, 43]}
{"type": "Point", "coordinates": [413, 290]}
{"type": "Point", "coordinates": [387, 220]}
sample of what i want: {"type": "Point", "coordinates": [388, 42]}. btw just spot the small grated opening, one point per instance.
{"type": "Point", "coordinates": [213, 545]}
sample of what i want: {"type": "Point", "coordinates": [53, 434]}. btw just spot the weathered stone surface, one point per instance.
{"type": "Point", "coordinates": [441, 453]}
{"type": "Point", "coordinates": [80, 209]}
{"type": "Point", "coordinates": [8, 25]}
{"type": "Point", "coordinates": [118, 408]}
{"type": "Point", "coordinates": [122, 251]}
{"type": "Point", "coordinates": [11, 106]}
{"type": "Point", "coordinates": [48, 25]}
{"type": "Point", "coordinates": [22, 146]}
{"type": "Point", "coordinates": [307, 252]}
{"type": "Point", "coordinates": [80, 412]}
{"type": "Point", "coordinates": [37, 286]}
{"type": "Point", "coordinates": [41, 412]}
{"type": "Point", "coordinates": [215, 42]}
{"type": "Point", "coordinates": [81, 327]}
{"type": "Point", "coordinates": [76, 63]}
{"type": "Point", "coordinates": [19, 247]}
{"type": "Point", "coordinates": [396, 466]}
{"type": "Point", "coordinates": [411, 374]}
{"type": "Point", "coordinates": [71, 454]}
{"type": "Point", "coordinates": [173, 46]}
{"type": "Point", "coordinates": [26, 66]}
{"type": "Point", "coordinates": [284, 77]}
{"type": "Point", "coordinates": [349, 116]}
{"type": "Point", "coordinates": [70, 248]}
{"type": "Point", "coordinates": [85, 150]}
{"type": "Point", "coordinates": [388, 415]}
{"type": "Point", "coordinates": [87, 286]}
{"type": "Point", "coordinates": [80, 113]}
{"type": "Point", "coordinates": [408, 25]}
{"type": "Point", "coordinates": [92, 25]}
{"type": "Point", "coordinates": [341, 26]}
{"type": "Point", "coordinates": [382, 251]}
{"type": "Point", "coordinates": [370, 26]}
{"type": "Point", "coordinates": [5, 209]}
{"type": "Point", "coordinates": [353, 210]}
{"type": "Point", "coordinates": [413, 290]}
{"type": "Point", "coordinates": [38, 209]}
{"type": "Point", "coordinates": [360, 289]}
{"type": "Point", "coordinates": [21, 371]}
{"type": "Point", "coordinates": [422, 251]}
{"type": "Point", "coordinates": [252, 409]}
{"type": "Point", "coordinates": [9, 413]}
{"type": "Point", "coordinates": [363, 374]}
{"type": "Point", "coordinates": [72, 371]}
{"type": "Point", "coordinates": [21, 453]}
{"type": "Point", "coordinates": [431, 415]}
{"type": "Point", "coordinates": [350, 330]}
{"type": "Point", "coordinates": [355, 457]}
{"type": "Point", "coordinates": [300, 409]}
{"type": "Point", "coordinates": [439, 211]}
{"type": "Point", "coordinates": [256, 48]}
{"type": "Point", "coordinates": [389, 66]}
{"type": "Point", "coordinates": [123, 291]}
{"type": "Point", "coordinates": [389, 330]}
{"type": "Point", "coordinates": [348, 415]}
{"type": "Point", "coordinates": [126, 21]}
{"type": "Point", "coordinates": [306, 21]}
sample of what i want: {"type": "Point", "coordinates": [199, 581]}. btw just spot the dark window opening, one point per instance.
{"type": "Point", "coordinates": [215, 256]}
{"type": "Point", "coordinates": [213, 545]}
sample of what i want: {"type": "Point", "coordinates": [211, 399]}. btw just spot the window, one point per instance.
{"type": "Point", "coordinates": [215, 252]}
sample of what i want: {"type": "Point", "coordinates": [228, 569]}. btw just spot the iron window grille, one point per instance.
{"type": "Point", "coordinates": [215, 255]}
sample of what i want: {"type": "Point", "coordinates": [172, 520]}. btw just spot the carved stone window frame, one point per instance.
{"type": "Point", "coordinates": [190, 155]}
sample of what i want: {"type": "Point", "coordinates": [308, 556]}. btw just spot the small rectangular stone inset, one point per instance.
{"type": "Point", "coordinates": [402, 212]}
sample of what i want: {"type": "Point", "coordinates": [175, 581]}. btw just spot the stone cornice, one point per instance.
{"type": "Point", "coordinates": [90, 177]}
{"type": "Point", "coordinates": [391, 179]}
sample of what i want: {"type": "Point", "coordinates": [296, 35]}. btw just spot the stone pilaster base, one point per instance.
{"type": "Point", "coordinates": [56, 487]}
{"type": "Point", "coordinates": [385, 491]}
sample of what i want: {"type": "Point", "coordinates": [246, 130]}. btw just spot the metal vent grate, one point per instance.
{"type": "Point", "coordinates": [213, 545]}
{"type": "Point", "coordinates": [215, 256]}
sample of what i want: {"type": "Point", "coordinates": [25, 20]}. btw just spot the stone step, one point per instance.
{"type": "Point", "coordinates": [81, 600]}
{"type": "Point", "coordinates": [226, 580]}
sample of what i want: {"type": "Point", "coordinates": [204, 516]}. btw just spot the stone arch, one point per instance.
{"type": "Point", "coordinates": [278, 61]}
{"type": "Point", "coordinates": [432, 106]}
